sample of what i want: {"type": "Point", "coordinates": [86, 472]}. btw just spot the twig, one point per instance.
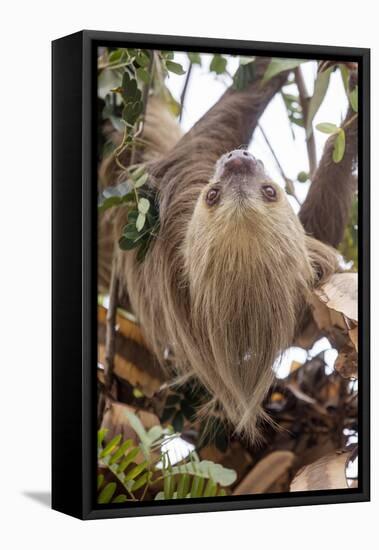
{"type": "Point", "coordinates": [184, 91]}
{"type": "Point", "coordinates": [145, 96]}
{"type": "Point", "coordinates": [110, 334]}
{"type": "Point", "coordinates": [304, 102]}
{"type": "Point", "coordinates": [289, 183]}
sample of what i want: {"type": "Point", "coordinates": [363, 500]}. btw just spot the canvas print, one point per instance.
{"type": "Point", "coordinates": [227, 266]}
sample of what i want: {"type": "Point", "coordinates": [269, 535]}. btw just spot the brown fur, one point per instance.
{"type": "Point", "coordinates": [223, 288]}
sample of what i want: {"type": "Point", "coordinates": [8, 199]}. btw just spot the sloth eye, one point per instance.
{"type": "Point", "coordinates": [213, 196]}
{"type": "Point", "coordinates": [269, 192]}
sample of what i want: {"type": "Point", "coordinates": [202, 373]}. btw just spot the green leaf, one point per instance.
{"type": "Point", "coordinates": [107, 493]}
{"type": "Point", "coordinates": [183, 486]}
{"type": "Point", "coordinates": [168, 486]}
{"type": "Point", "coordinates": [127, 244]}
{"type": "Point", "coordinates": [138, 427]}
{"type": "Point", "coordinates": [198, 491]}
{"type": "Point", "coordinates": [100, 436]}
{"type": "Point", "coordinates": [207, 469]}
{"type": "Point", "coordinates": [210, 489]}
{"type": "Point", "coordinates": [140, 482]}
{"type": "Point", "coordinates": [134, 472]}
{"type": "Point", "coordinates": [111, 446]}
{"type": "Point", "coordinates": [129, 87]}
{"type": "Point", "coordinates": [140, 221]}
{"type": "Point", "coordinates": [195, 486]}
{"type": "Point", "coordinates": [174, 67]}
{"type": "Point", "coordinates": [345, 74]}
{"type": "Point", "coordinates": [128, 460]}
{"type": "Point", "coordinates": [142, 59]}
{"type": "Point", "coordinates": [138, 171]}
{"type": "Point", "coordinates": [167, 54]}
{"type": "Point", "coordinates": [194, 57]}
{"type": "Point", "coordinates": [218, 64]}
{"type": "Point", "coordinates": [339, 146]}
{"type": "Point", "coordinates": [155, 433]}
{"type": "Point", "coordinates": [131, 111]}
{"type": "Point", "coordinates": [320, 89]}
{"type": "Point", "coordinates": [132, 216]}
{"type": "Point", "coordinates": [278, 65]}
{"type": "Point", "coordinates": [117, 56]}
{"type": "Point", "coordinates": [327, 127]}
{"type": "Point", "coordinates": [100, 481]}
{"type": "Point", "coordinates": [121, 451]}
{"type": "Point", "coordinates": [143, 205]}
{"type": "Point", "coordinates": [244, 76]}
{"type": "Point", "coordinates": [119, 499]}
{"type": "Point", "coordinates": [353, 97]}
{"type": "Point", "coordinates": [143, 75]}
{"type": "Point", "coordinates": [141, 180]}
{"type": "Point", "coordinates": [143, 249]}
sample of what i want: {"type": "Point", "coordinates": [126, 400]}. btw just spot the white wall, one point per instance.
{"type": "Point", "coordinates": [27, 28]}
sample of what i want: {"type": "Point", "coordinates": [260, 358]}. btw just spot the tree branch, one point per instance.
{"type": "Point", "coordinates": [110, 335]}
{"type": "Point", "coordinates": [184, 91]}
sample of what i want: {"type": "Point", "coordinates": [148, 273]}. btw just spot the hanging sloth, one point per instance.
{"type": "Point", "coordinates": [225, 285]}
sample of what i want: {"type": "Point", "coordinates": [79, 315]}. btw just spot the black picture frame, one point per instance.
{"type": "Point", "coordinates": [74, 332]}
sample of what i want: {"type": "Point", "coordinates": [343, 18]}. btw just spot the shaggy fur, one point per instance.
{"type": "Point", "coordinates": [223, 287]}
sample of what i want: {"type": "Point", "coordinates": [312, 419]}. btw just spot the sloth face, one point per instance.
{"type": "Point", "coordinates": [241, 183]}
{"type": "Point", "coordinates": [243, 213]}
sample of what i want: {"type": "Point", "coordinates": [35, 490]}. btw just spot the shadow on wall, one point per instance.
{"type": "Point", "coordinates": [41, 497]}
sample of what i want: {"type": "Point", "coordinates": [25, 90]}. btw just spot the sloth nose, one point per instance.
{"type": "Point", "coordinates": [239, 161]}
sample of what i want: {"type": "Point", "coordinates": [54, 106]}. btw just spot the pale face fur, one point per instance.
{"type": "Point", "coordinates": [248, 277]}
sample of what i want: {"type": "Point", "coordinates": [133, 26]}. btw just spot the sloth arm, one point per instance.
{"type": "Point", "coordinates": [326, 210]}
{"type": "Point", "coordinates": [229, 124]}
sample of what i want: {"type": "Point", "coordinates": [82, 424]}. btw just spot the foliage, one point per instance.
{"type": "Point", "coordinates": [138, 469]}
{"type": "Point", "coordinates": [126, 76]}
{"type": "Point", "coordinates": [181, 405]}
{"type": "Point", "coordinates": [143, 215]}
{"type": "Point", "coordinates": [245, 73]}
{"type": "Point", "coordinates": [339, 143]}
{"type": "Point", "coordinates": [294, 110]}
{"type": "Point", "coordinates": [278, 65]}
{"type": "Point", "coordinates": [320, 88]}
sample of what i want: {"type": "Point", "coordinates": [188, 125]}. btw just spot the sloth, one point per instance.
{"type": "Point", "coordinates": [226, 284]}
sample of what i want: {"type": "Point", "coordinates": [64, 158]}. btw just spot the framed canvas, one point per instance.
{"type": "Point", "coordinates": [210, 275]}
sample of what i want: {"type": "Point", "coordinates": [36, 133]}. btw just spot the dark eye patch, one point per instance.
{"type": "Point", "coordinates": [269, 192]}
{"type": "Point", "coordinates": [213, 196]}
